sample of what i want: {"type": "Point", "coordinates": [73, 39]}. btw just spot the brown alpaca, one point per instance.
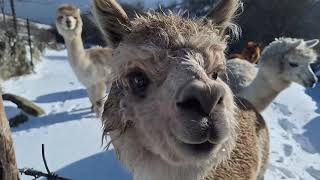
{"type": "Point", "coordinates": [168, 114]}
{"type": "Point", "coordinates": [250, 53]}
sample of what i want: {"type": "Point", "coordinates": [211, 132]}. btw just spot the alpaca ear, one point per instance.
{"type": "Point", "coordinates": [312, 43]}
{"type": "Point", "coordinates": [223, 13]}
{"type": "Point", "coordinates": [112, 20]}
{"type": "Point", "coordinates": [296, 44]}
{"type": "Point", "coordinates": [78, 11]}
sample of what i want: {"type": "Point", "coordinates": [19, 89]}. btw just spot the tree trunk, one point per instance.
{"type": "Point", "coordinates": [8, 165]}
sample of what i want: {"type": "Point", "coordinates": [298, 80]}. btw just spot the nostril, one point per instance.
{"type": "Point", "coordinates": [220, 100]}
{"type": "Point", "coordinates": [192, 104]}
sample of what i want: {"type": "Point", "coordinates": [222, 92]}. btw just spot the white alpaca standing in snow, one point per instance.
{"type": "Point", "coordinates": [91, 66]}
{"type": "Point", "coordinates": [282, 62]}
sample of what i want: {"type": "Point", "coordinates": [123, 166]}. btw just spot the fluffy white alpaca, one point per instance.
{"type": "Point", "coordinates": [91, 66]}
{"type": "Point", "coordinates": [282, 62]}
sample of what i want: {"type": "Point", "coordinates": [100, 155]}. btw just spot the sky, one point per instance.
{"type": "Point", "coordinates": [43, 11]}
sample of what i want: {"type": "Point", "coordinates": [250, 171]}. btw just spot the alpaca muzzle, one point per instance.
{"type": "Point", "coordinates": [200, 98]}
{"type": "Point", "coordinates": [315, 67]}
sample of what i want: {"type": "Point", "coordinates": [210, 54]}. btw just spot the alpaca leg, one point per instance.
{"type": "Point", "coordinates": [99, 91]}
{"type": "Point", "coordinates": [90, 91]}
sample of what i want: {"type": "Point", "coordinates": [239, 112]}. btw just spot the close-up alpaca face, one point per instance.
{"type": "Point", "coordinates": [181, 109]}
{"type": "Point", "coordinates": [166, 67]}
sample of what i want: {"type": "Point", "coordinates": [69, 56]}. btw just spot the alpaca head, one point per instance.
{"type": "Point", "coordinates": [252, 51]}
{"type": "Point", "coordinates": [68, 21]}
{"type": "Point", "coordinates": [167, 98]}
{"type": "Point", "coordinates": [289, 60]}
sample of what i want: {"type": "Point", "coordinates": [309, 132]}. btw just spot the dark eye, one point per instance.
{"type": "Point", "coordinates": [215, 75]}
{"type": "Point", "coordinates": [293, 64]}
{"type": "Point", "coordinates": [138, 82]}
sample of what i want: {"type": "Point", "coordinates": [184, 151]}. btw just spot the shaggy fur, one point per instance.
{"type": "Point", "coordinates": [168, 114]}
{"type": "Point", "coordinates": [282, 62]}
{"type": "Point", "coordinates": [251, 53]}
{"type": "Point", "coordinates": [92, 66]}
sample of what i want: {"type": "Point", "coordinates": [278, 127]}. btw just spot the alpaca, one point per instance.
{"type": "Point", "coordinates": [282, 62]}
{"type": "Point", "coordinates": [91, 66]}
{"type": "Point", "coordinates": [168, 114]}
{"type": "Point", "coordinates": [250, 53]}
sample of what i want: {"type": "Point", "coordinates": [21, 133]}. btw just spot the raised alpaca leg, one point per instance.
{"type": "Point", "coordinates": [97, 94]}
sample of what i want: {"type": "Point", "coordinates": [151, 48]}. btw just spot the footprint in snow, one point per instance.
{"type": "Point", "coordinates": [287, 125]}
{"type": "Point", "coordinates": [288, 149]}
{"type": "Point", "coordinates": [286, 173]}
{"type": "Point", "coordinates": [313, 172]}
{"type": "Point", "coordinates": [282, 108]}
{"type": "Point", "coordinates": [305, 143]}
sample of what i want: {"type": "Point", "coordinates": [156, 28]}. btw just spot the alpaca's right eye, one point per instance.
{"type": "Point", "coordinates": [138, 83]}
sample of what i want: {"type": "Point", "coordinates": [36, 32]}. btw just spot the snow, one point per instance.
{"type": "Point", "coordinates": [72, 135]}
{"type": "Point", "coordinates": [294, 121]}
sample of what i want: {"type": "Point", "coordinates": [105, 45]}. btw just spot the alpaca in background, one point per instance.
{"type": "Point", "coordinates": [251, 53]}
{"type": "Point", "coordinates": [91, 66]}
{"type": "Point", "coordinates": [282, 62]}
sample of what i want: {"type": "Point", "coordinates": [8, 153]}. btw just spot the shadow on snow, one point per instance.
{"type": "Point", "coordinates": [103, 165]}
{"type": "Point", "coordinates": [62, 96]}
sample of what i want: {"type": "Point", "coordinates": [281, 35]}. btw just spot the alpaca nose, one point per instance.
{"type": "Point", "coordinates": [315, 67]}
{"type": "Point", "coordinates": [68, 22]}
{"type": "Point", "coordinates": [199, 97]}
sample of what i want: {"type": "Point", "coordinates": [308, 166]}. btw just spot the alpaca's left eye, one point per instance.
{"type": "Point", "coordinates": [293, 64]}
{"type": "Point", "coordinates": [138, 83]}
{"type": "Point", "coordinates": [215, 75]}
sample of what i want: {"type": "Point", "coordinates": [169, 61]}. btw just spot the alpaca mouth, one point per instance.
{"type": "Point", "coordinates": [202, 148]}
{"type": "Point", "coordinates": [311, 83]}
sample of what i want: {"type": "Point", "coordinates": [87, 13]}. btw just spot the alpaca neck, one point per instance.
{"type": "Point", "coordinates": [75, 49]}
{"type": "Point", "coordinates": [263, 90]}
{"type": "Point", "coordinates": [146, 165]}
{"type": "Point", "coordinates": [156, 169]}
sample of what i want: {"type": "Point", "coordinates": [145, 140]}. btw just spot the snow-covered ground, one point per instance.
{"type": "Point", "coordinates": [72, 135]}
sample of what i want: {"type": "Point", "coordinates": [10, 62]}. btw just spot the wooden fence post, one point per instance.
{"type": "Point", "coordinates": [30, 43]}
{"type": "Point", "coordinates": [14, 16]}
{"type": "Point", "coordinates": [8, 165]}
{"type": "Point", "coordinates": [2, 6]}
